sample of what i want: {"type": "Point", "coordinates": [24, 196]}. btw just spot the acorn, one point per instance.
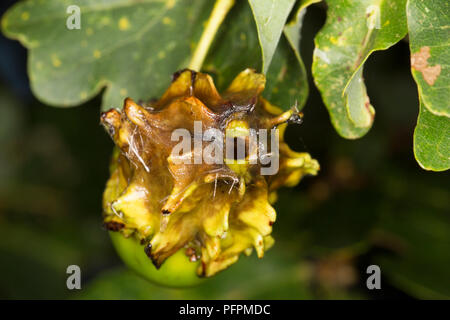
{"type": "Point", "coordinates": [196, 172]}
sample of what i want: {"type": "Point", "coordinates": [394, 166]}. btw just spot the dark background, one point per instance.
{"type": "Point", "coordinates": [370, 204]}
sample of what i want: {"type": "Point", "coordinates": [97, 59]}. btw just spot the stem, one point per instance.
{"type": "Point", "coordinates": [220, 10]}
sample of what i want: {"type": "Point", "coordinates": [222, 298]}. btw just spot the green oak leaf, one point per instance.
{"type": "Point", "coordinates": [287, 83]}
{"type": "Point", "coordinates": [270, 17]}
{"type": "Point", "coordinates": [236, 48]}
{"type": "Point", "coordinates": [353, 30]}
{"type": "Point", "coordinates": [128, 47]}
{"type": "Point", "coordinates": [292, 31]}
{"type": "Point", "coordinates": [429, 39]}
{"type": "Point", "coordinates": [430, 60]}
{"type": "Point", "coordinates": [432, 140]}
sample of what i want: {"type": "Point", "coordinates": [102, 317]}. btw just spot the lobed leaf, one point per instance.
{"type": "Point", "coordinates": [432, 140]}
{"type": "Point", "coordinates": [429, 31]}
{"type": "Point", "coordinates": [353, 30]}
{"type": "Point", "coordinates": [130, 47]}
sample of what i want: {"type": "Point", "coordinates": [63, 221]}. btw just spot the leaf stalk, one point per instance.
{"type": "Point", "coordinates": [220, 10]}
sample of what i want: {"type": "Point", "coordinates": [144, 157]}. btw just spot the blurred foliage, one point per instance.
{"type": "Point", "coordinates": [370, 204]}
